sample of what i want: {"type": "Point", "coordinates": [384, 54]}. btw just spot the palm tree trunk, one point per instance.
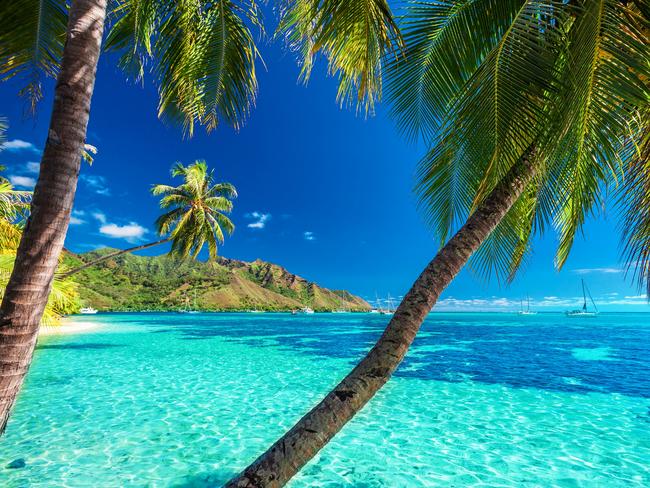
{"type": "Point", "coordinates": [37, 257]}
{"type": "Point", "coordinates": [289, 454]}
{"type": "Point", "coordinates": [112, 255]}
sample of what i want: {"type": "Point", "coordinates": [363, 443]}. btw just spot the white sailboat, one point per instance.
{"type": "Point", "coordinates": [389, 310]}
{"type": "Point", "coordinates": [88, 311]}
{"type": "Point", "coordinates": [377, 308]}
{"type": "Point", "coordinates": [584, 312]}
{"type": "Point", "coordinates": [187, 308]}
{"type": "Point", "coordinates": [527, 311]}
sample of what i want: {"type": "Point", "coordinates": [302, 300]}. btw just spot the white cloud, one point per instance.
{"type": "Point", "coordinates": [260, 219]}
{"type": "Point", "coordinates": [584, 271]}
{"type": "Point", "coordinates": [131, 232]}
{"type": "Point", "coordinates": [76, 218]}
{"type": "Point", "coordinates": [18, 145]}
{"type": "Point", "coordinates": [309, 236]}
{"type": "Point", "coordinates": [96, 183]}
{"type": "Point", "coordinates": [24, 181]}
{"type": "Point", "coordinates": [500, 304]}
{"type": "Point", "coordinates": [100, 217]}
{"type": "Point", "coordinates": [33, 167]}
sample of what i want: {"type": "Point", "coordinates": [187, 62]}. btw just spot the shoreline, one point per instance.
{"type": "Point", "coordinates": [68, 327]}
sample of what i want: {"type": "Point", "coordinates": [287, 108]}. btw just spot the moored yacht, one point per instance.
{"type": "Point", "coordinates": [584, 312]}
{"type": "Point", "coordinates": [527, 311]}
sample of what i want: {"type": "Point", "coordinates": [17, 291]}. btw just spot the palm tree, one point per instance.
{"type": "Point", "coordinates": [202, 55]}
{"type": "Point", "coordinates": [197, 216]}
{"type": "Point", "coordinates": [14, 205]}
{"type": "Point", "coordinates": [531, 109]}
{"type": "Point", "coordinates": [64, 298]}
{"type": "Point", "coordinates": [205, 66]}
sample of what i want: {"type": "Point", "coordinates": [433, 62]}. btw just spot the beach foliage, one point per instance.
{"type": "Point", "coordinates": [14, 205]}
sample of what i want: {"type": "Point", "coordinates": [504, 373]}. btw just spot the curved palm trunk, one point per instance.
{"type": "Point", "coordinates": [112, 255]}
{"type": "Point", "coordinates": [289, 454]}
{"type": "Point", "coordinates": [37, 257]}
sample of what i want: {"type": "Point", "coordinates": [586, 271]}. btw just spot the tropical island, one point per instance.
{"type": "Point", "coordinates": [448, 151]}
{"type": "Point", "coordinates": [140, 283]}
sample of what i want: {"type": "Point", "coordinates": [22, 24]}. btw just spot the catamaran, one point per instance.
{"type": "Point", "coordinates": [528, 311]}
{"type": "Point", "coordinates": [88, 311]}
{"type": "Point", "coordinates": [584, 312]}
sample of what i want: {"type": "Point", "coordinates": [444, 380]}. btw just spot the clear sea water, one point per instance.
{"type": "Point", "coordinates": [491, 400]}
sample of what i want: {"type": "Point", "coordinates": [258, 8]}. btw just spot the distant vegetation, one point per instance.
{"type": "Point", "coordinates": [130, 283]}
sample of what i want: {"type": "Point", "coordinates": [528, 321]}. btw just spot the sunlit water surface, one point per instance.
{"type": "Point", "coordinates": [178, 400]}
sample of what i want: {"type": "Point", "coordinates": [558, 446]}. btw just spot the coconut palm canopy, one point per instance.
{"type": "Point", "coordinates": [202, 55]}
{"type": "Point", "coordinates": [196, 210]}
{"type": "Point", "coordinates": [484, 80]}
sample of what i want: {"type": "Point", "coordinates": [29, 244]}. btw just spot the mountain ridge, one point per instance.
{"type": "Point", "coordinates": [130, 282]}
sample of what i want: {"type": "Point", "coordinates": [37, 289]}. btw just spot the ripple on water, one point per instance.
{"type": "Point", "coordinates": [593, 354]}
{"type": "Point", "coordinates": [152, 409]}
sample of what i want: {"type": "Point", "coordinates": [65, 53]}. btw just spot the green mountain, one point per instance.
{"type": "Point", "coordinates": [130, 282]}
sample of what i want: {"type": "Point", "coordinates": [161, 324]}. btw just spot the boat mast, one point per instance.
{"type": "Point", "coordinates": [584, 296]}
{"type": "Point", "coordinates": [592, 299]}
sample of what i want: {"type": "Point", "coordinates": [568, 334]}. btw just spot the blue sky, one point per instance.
{"type": "Point", "coordinates": [323, 192]}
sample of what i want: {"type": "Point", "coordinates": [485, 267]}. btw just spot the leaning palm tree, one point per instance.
{"type": "Point", "coordinates": [196, 216]}
{"type": "Point", "coordinates": [532, 108]}
{"type": "Point", "coordinates": [14, 205]}
{"type": "Point", "coordinates": [202, 56]}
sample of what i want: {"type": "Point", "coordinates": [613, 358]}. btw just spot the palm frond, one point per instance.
{"type": "Point", "coordinates": [32, 33]}
{"type": "Point", "coordinates": [202, 55]}
{"type": "Point", "coordinates": [607, 72]}
{"type": "Point", "coordinates": [354, 35]}
{"type": "Point", "coordinates": [446, 42]}
{"type": "Point", "coordinates": [634, 197]}
{"type": "Point", "coordinates": [494, 118]}
{"type": "Point", "coordinates": [63, 298]}
{"type": "Point", "coordinates": [13, 203]}
{"type": "Point", "coordinates": [566, 78]}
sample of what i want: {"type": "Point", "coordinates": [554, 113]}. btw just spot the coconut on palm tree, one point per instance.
{"type": "Point", "coordinates": [531, 110]}
{"type": "Point", "coordinates": [202, 56]}
{"type": "Point", "coordinates": [196, 215]}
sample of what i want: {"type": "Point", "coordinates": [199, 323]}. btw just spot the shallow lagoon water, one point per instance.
{"type": "Point", "coordinates": [176, 400]}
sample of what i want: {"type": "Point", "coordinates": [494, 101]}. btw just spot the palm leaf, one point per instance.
{"type": "Point", "coordinates": [354, 35]}
{"type": "Point", "coordinates": [607, 73]}
{"type": "Point", "coordinates": [32, 33]}
{"type": "Point", "coordinates": [634, 198]}
{"type": "Point", "coordinates": [202, 55]}
{"type": "Point", "coordinates": [446, 42]}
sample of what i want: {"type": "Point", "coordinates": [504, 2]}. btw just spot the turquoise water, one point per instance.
{"type": "Point", "coordinates": [172, 400]}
